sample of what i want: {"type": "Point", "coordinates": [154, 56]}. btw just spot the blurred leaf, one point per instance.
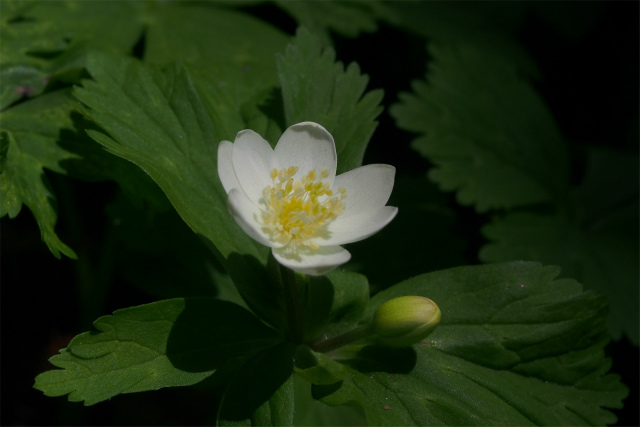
{"type": "Point", "coordinates": [514, 347]}
{"type": "Point", "coordinates": [101, 23]}
{"type": "Point", "coordinates": [315, 88]}
{"type": "Point", "coordinates": [604, 256]}
{"type": "Point", "coordinates": [43, 39]}
{"type": "Point", "coordinates": [163, 344]}
{"type": "Point", "coordinates": [597, 246]}
{"type": "Point", "coordinates": [487, 26]}
{"type": "Point", "coordinates": [20, 81]}
{"type": "Point", "coordinates": [488, 133]}
{"type": "Point", "coordinates": [348, 18]}
{"type": "Point", "coordinates": [220, 42]}
{"type": "Point", "coordinates": [261, 393]}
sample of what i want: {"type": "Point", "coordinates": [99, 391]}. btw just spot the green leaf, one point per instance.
{"type": "Point", "coordinates": [115, 26]}
{"type": "Point", "coordinates": [158, 121]}
{"type": "Point", "coordinates": [262, 391]}
{"type": "Point", "coordinates": [515, 347]}
{"type": "Point", "coordinates": [318, 368]}
{"type": "Point", "coordinates": [238, 65]}
{"type": "Point", "coordinates": [346, 18]}
{"type": "Point", "coordinates": [23, 181]}
{"type": "Point", "coordinates": [317, 89]}
{"type": "Point", "coordinates": [312, 412]}
{"type": "Point", "coordinates": [603, 255]}
{"type": "Point", "coordinates": [597, 245]}
{"type": "Point", "coordinates": [489, 26]}
{"type": "Point", "coordinates": [43, 133]}
{"type": "Point", "coordinates": [167, 343]}
{"type": "Point", "coordinates": [488, 133]}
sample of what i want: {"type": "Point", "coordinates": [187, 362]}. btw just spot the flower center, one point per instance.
{"type": "Point", "coordinates": [299, 210]}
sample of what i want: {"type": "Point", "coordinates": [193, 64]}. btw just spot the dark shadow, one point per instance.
{"type": "Point", "coordinates": [379, 358]}
{"type": "Point", "coordinates": [208, 332]}
{"type": "Point", "coordinates": [257, 381]}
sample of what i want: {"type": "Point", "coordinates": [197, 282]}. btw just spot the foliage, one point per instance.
{"type": "Point", "coordinates": [140, 94]}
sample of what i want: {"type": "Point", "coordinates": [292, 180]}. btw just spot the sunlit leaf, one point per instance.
{"type": "Point", "coordinates": [159, 122]}
{"type": "Point", "coordinates": [515, 347]}
{"type": "Point", "coordinates": [163, 344]}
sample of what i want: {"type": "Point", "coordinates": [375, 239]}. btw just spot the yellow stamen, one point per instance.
{"type": "Point", "coordinates": [297, 211]}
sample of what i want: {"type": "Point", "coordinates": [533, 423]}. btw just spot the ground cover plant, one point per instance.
{"type": "Point", "coordinates": [319, 213]}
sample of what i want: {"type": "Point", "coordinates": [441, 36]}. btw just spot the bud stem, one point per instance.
{"type": "Point", "coordinates": [331, 343]}
{"type": "Point", "coordinates": [292, 301]}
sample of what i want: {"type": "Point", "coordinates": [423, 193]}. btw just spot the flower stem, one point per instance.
{"type": "Point", "coordinates": [343, 339]}
{"type": "Point", "coordinates": [292, 301]}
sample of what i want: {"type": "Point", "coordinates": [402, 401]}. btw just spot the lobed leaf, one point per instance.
{"type": "Point", "coordinates": [604, 256]}
{"type": "Point", "coordinates": [596, 244]}
{"type": "Point", "coordinates": [515, 346]}
{"type": "Point", "coordinates": [22, 180]}
{"type": "Point", "coordinates": [315, 88]}
{"type": "Point", "coordinates": [43, 133]}
{"type": "Point", "coordinates": [163, 344]}
{"type": "Point", "coordinates": [487, 132]}
{"type": "Point", "coordinates": [159, 121]}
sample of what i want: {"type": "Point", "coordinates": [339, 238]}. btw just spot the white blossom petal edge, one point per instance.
{"type": "Point", "coordinates": [290, 199]}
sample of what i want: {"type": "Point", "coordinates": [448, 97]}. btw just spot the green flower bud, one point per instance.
{"type": "Point", "coordinates": [405, 321]}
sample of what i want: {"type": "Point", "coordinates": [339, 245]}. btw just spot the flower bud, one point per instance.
{"type": "Point", "coordinates": [405, 321]}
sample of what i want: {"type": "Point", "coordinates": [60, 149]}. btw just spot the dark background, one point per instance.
{"type": "Point", "coordinates": [589, 81]}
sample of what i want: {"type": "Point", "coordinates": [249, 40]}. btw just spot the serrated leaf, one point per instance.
{"type": "Point", "coordinates": [488, 133]}
{"type": "Point", "coordinates": [315, 88]}
{"type": "Point", "coordinates": [23, 181]}
{"type": "Point", "coordinates": [515, 346]}
{"type": "Point", "coordinates": [44, 134]}
{"type": "Point", "coordinates": [167, 343]}
{"type": "Point", "coordinates": [158, 121]}
{"type": "Point", "coordinates": [262, 391]}
{"type": "Point", "coordinates": [603, 255]}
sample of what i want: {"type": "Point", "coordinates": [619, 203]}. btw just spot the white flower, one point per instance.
{"type": "Point", "coordinates": [290, 199]}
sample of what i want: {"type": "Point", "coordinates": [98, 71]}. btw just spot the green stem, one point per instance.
{"type": "Point", "coordinates": [293, 304]}
{"type": "Point", "coordinates": [343, 339]}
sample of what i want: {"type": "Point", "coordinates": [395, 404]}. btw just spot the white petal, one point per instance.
{"type": "Point", "coordinates": [314, 262]}
{"type": "Point", "coordinates": [225, 166]}
{"type": "Point", "coordinates": [368, 188]}
{"type": "Point", "coordinates": [308, 146]}
{"type": "Point", "coordinates": [246, 215]}
{"type": "Point", "coordinates": [252, 162]}
{"type": "Point", "coordinates": [358, 227]}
